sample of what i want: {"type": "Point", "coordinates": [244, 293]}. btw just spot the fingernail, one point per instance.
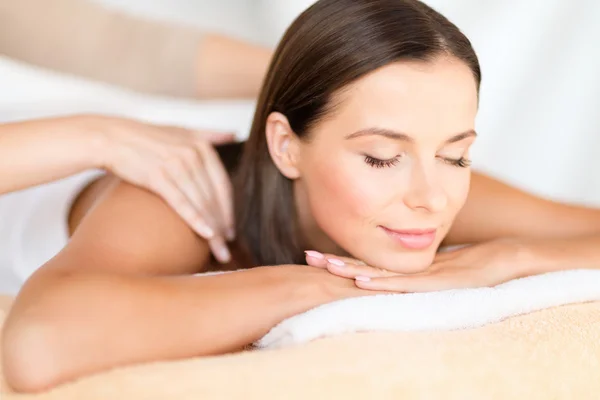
{"type": "Point", "coordinates": [314, 254]}
{"type": "Point", "coordinates": [335, 261]}
{"type": "Point", "coordinates": [206, 232]}
{"type": "Point", "coordinates": [362, 278]}
{"type": "Point", "coordinates": [224, 255]}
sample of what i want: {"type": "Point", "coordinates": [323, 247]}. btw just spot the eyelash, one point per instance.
{"type": "Point", "coordinates": [377, 163]}
{"type": "Point", "coordinates": [459, 162]}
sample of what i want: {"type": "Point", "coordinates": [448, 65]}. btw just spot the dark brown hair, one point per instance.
{"type": "Point", "coordinates": [332, 44]}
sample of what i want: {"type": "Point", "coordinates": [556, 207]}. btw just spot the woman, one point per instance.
{"type": "Point", "coordinates": [359, 147]}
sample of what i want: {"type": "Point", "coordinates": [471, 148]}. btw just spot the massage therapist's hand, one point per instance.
{"type": "Point", "coordinates": [485, 264]}
{"type": "Point", "coordinates": [179, 165]}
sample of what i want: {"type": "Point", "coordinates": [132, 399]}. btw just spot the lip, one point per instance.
{"type": "Point", "coordinates": [414, 239]}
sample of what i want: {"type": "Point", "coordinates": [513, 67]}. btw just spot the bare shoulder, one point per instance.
{"type": "Point", "coordinates": [120, 227]}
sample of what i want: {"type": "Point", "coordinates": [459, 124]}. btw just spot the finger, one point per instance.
{"type": "Point", "coordinates": [409, 284]}
{"type": "Point", "coordinates": [317, 259]}
{"type": "Point", "coordinates": [348, 270]}
{"type": "Point", "coordinates": [188, 173]}
{"type": "Point", "coordinates": [200, 183]}
{"type": "Point", "coordinates": [189, 181]}
{"type": "Point", "coordinates": [169, 192]}
{"type": "Point", "coordinates": [343, 266]}
{"type": "Point", "coordinates": [218, 247]}
{"type": "Point", "coordinates": [346, 260]}
{"type": "Point", "coordinates": [215, 137]}
{"type": "Point", "coordinates": [210, 136]}
{"type": "Point", "coordinates": [222, 188]}
{"type": "Point", "coordinates": [190, 205]}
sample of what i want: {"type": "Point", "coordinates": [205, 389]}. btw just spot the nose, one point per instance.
{"type": "Point", "coordinates": [425, 192]}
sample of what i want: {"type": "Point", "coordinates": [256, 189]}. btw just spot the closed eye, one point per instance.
{"type": "Point", "coordinates": [461, 162]}
{"type": "Point", "coordinates": [378, 163]}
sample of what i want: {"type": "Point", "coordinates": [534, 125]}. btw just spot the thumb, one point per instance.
{"type": "Point", "coordinates": [216, 137]}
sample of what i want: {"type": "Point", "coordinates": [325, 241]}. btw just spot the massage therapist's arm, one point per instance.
{"type": "Point", "coordinates": [84, 38]}
{"type": "Point", "coordinates": [118, 294]}
{"type": "Point", "coordinates": [155, 157]}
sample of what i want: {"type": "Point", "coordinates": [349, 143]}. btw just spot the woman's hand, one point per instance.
{"type": "Point", "coordinates": [179, 165]}
{"type": "Point", "coordinates": [485, 264]}
{"type": "Point", "coordinates": [318, 286]}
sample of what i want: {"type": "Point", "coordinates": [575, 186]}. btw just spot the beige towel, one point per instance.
{"type": "Point", "coordinates": [550, 354]}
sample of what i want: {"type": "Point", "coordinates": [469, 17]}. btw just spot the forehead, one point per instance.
{"type": "Point", "coordinates": [437, 97]}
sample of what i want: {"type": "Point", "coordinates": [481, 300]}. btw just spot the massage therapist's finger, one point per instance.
{"type": "Point", "coordinates": [195, 187]}
{"type": "Point", "coordinates": [205, 199]}
{"type": "Point", "coordinates": [219, 249]}
{"type": "Point", "coordinates": [221, 188]}
{"type": "Point", "coordinates": [213, 137]}
{"type": "Point", "coordinates": [179, 202]}
{"type": "Point", "coordinates": [194, 213]}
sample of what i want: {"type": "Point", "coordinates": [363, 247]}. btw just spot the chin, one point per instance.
{"type": "Point", "coordinates": [403, 262]}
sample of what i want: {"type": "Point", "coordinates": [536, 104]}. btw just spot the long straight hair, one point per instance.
{"type": "Point", "coordinates": [329, 46]}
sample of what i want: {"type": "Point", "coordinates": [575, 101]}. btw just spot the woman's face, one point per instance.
{"type": "Point", "coordinates": [384, 175]}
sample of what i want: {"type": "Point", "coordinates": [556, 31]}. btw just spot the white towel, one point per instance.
{"type": "Point", "coordinates": [443, 310]}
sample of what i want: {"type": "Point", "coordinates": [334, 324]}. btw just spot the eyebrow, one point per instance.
{"type": "Point", "coordinates": [403, 136]}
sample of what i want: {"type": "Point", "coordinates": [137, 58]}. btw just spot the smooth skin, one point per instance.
{"type": "Point", "coordinates": [167, 311]}
{"type": "Point", "coordinates": [128, 265]}
{"type": "Point", "coordinates": [380, 160]}
{"type": "Point", "coordinates": [512, 235]}
{"type": "Point", "coordinates": [121, 292]}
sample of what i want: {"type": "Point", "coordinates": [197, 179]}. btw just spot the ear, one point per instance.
{"type": "Point", "coordinates": [283, 144]}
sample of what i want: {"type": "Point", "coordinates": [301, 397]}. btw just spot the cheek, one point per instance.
{"type": "Point", "coordinates": [341, 196]}
{"type": "Point", "coordinates": [457, 186]}
{"type": "Point", "coordinates": [347, 199]}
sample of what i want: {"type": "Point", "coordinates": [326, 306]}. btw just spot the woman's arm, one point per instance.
{"type": "Point", "coordinates": [496, 210]}
{"type": "Point", "coordinates": [84, 38]}
{"type": "Point", "coordinates": [118, 294]}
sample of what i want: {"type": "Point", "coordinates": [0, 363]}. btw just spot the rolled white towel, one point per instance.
{"type": "Point", "coordinates": [443, 310]}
